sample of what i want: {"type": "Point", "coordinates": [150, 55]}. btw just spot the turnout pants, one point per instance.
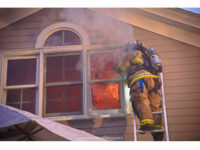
{"type": "Point", "coordinates": [146, 99]}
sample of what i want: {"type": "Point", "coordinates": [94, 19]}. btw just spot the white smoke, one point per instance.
{"type": "Point", "coordinates": [101, 29]}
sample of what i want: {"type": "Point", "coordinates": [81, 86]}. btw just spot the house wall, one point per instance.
{"type": "Point", "coordinates": [23, 33]}
{"type": "Point", "coordinates": [181, 70]}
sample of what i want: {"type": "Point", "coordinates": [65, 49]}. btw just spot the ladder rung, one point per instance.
{"type": "Point", "coordinates": [159, 112]}
{"type": "Point", "coordinates": [152, 131]}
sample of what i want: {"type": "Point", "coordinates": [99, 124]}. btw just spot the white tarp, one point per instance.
{"type": "Point", "coordinates": [11, 116]}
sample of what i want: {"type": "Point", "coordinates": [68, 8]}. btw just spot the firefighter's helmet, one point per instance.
{"type": "Point", "coordinates": [131, 45]}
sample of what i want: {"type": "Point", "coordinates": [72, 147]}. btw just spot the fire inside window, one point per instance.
{"type": "Point", "coordinates": [105, 94]}
{"type": "Point", "coordinates": [21, 72]}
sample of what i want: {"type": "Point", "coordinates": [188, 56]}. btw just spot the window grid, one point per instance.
{"type": "Point", "coordinates": [91, 81]}
{"type": "Point", "coordinates": [62, 84]}
{"type": "Point", "coordinates": [20, 86]}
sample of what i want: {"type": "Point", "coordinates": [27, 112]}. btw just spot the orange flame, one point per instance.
{"type": "Point", "coordinates": [106, 96]}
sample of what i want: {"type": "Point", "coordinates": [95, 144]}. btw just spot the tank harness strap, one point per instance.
{"type": "Point", "coordinates": [138, 68]}
{"type": "Point", "coordinates": [141, 85]}
{"type": "Point", "coordinates": [141, 81]}
{"type": "Point", "coordinates": [142, 75]}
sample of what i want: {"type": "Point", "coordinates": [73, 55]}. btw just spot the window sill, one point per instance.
{"type": "Point", "coordinates": [81, 117]}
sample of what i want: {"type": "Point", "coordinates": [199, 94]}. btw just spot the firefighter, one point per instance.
{"type": "Point", "coordinates": [142, 67]}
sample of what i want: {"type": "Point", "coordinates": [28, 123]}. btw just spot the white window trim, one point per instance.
{"type": "Point", "coordinates": [4, 87]}
{"type": "Point", "coordinates": [61, 26]}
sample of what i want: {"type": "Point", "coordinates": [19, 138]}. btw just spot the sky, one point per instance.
{"type": "Point", "coordinates": [194, 10]}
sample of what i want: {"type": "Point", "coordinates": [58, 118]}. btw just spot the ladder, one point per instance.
{"type": "Point", "coordinates": [165, 130]}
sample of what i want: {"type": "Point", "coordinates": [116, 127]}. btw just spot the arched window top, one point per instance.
{"type": "Point", "coordinates": [63, 38]}
{"type": "Point", "coordinates": [62, 34]}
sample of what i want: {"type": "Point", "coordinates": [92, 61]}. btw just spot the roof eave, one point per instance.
{"type": "Point", "coordinates": [179, 25]}
{"type": "Point", "coordinates": [11, 15]}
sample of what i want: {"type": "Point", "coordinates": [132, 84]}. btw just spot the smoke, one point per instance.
{"type": "Point", "coordinates": [100, 29]}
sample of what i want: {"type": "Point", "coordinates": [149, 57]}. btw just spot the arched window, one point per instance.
{"type": "Point", "coordinates": [63, 73]}
{"type": "Point", "coordinates": [62, 34]}
{"type": "Point", "coordinates": [62, 38]}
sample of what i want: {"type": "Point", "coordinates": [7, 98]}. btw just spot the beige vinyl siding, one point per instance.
{"type": "Point", "coordinates": [108, 128]}
{"type": "Point", "coordinates": [23, 33]}
{"type": "Point", "coordinates": [181, 65]}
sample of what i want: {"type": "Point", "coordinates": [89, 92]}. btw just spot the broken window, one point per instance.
{"type": "Point", "coordinates": [105, 90]}
{"type": "Point", "coordinates": [64, 84]}
{"type": "Point", "coordinates": [21, 84]}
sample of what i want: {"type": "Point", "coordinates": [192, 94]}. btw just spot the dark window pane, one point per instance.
{"type": "Point", "coordinates": [54, 76]}
{"type": "Point", "coordinates": [73, 105]}
{"type": "Point", "coordinates": [54, 106]}
{"type": "Point", "coordinates": [55, 63]}
{"type": "Point", "coordinates": [63, 68]}
{"type": "Point", "coordinates": [72, 75]}
{"type": "Point", "coordinates": [56, 39]}
{"type": "Point", "coordinates": [62, 99]}
{"type": "Point", "coordinates": [29, 95]}
{"type": "Point", "coordinates": [21, 72]}
{"type": "Point", "coordinates": [102, 66]}
{"type": "Point", "coordinates": [13, 96]}
{"type": "Point", "coordinates": [71, 38]}
{"type": "Point", "coordinates": [54, 69]}
{"type": "Point", "coordinates": [54, 93]}
{"type": "Point", "coordinates": [105, 96]}
{"type": "Point", "coordinates": [30, 107]}
{"type": "Point", "coordinates": [22, 97]}
{"type": "Point", "coordinates": [73, 91]}
{"type": "Point", "coordinates": [72, 69]}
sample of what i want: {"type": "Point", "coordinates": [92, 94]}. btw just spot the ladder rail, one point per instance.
{"type": "Point", "coordinates": [134, 127]}
{"type": "Point", "coordinates": [164, 108]}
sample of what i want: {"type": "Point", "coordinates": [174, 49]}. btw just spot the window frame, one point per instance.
{"type": "Point", "coordinates": [5, 87]}
{"type": "Point", "coordinates": [63, 36]}
{"type": "Point", "coordinates": [118, 80]}
{"type": "Point", "coordinates": [60, 84]}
